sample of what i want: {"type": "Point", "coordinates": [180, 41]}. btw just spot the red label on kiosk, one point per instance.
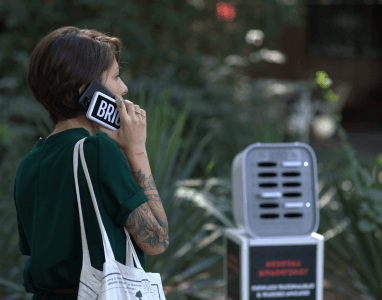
{"type": "Point", "coordinates": [283, 272]}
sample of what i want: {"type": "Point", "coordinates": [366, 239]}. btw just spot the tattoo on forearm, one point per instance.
{"type": "Point", "coordinates": [156, 207]}
{"type": "Point", "coordinates": [119, 102]}
{"type": "Point", "coordinates": [140, 153]}
{"type": "Point", "coordinates": [147, 229]}
{"type": "Point", "coordinates": [155, 198]}
{"type": "Point", "coordinates": [159, 214]}
{"type": "Point", "coordinates": [144, 183]}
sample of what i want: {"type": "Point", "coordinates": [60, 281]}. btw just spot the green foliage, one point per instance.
{"type": "Point", "coordinates": [322, 79]}
{"type": "Point", "coordinates": [195, 95]}
{"type": "Point", "coordinates": [357, 242]}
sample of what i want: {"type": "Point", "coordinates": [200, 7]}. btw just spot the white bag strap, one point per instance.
{"type": "Point", "coordinates": [85, 249]}
{"type": "Point", "coordinates": [109, 255]}
{"type": "Point", "coordinates": [129, 252]}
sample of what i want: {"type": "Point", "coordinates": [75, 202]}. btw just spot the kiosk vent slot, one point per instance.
{"type": "Point", "coordinates": [292, 194]}
{"type": "Point", "coordinates": [268, 185]}
{"type": "Point", "coordinates": [269, 216]}
{"type": "Point", "coordinates": [267, 174]}
{"type": "Point", "coordinates": [269, 205]}
{"type": "Point", "coordinates": [267, 164]}
{"type": "Point", "coordinates": [293, 215]}
{"type": "Point", "coordinates": [291, 184]}
{"type": "Point", "coordinates": [291, 174]}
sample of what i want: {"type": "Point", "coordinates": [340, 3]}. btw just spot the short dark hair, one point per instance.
{"type": "Point", "coordinates": [62, 62]}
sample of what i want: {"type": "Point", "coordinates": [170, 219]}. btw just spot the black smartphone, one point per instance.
{"type": "Point", "coordinates": [101, 105]}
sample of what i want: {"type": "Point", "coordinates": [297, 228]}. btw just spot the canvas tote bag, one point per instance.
{"type": "Point", "coordinates": [116, 281]}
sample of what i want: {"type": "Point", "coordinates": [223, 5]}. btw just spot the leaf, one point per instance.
{"type": "Point", "coordinates": [374, 194]}
{"type": "Point", "coordinates": [366, 225]}
{"type": "Point", "coordinates": [321, 77]}
{"type": "Point", "coordinates": [9, 83]}
{"type": "Point", "coordinates": [366, 176]}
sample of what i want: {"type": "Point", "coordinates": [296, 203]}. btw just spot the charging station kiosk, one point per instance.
{"type": "Point", "coordinates": [274, 252]}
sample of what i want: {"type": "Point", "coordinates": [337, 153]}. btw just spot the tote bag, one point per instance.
{"type": "Point", "coordinates": [116, 281]}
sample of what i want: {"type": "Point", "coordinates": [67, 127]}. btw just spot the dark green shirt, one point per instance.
{"type": "Point", "coordinates": [47, 210]}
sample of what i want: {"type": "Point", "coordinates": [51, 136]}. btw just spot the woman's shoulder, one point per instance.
{"type": "Point", "coordinates": [104, 140]}
{"type": "Point", "coordinates": [104, 144]}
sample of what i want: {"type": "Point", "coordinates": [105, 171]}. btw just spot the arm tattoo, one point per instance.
{"type": "Point", "coordinates": [146, 184]}
{"type": "Point", "coordinates": [156, 207]}
{"type": "Point", "coordinates": [145, 229]}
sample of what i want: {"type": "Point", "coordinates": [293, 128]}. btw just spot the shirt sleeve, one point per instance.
{"type": "Point", "coordinates": [119, 190]}
{"type": "Point", "coordinates": [23, 243]}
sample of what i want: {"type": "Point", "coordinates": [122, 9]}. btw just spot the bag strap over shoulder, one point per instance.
{"type": "Point", "coordinates": [109, 255]}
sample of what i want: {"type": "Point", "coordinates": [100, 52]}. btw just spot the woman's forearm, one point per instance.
{"type": "Point", "coordinates": [140, 167]}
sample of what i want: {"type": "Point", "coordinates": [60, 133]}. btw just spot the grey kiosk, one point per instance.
{"type": "Point", "coordinates": [275, 252]}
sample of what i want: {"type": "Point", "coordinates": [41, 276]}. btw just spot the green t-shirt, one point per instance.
{"type": "Point", "coordinates": [47, 210]}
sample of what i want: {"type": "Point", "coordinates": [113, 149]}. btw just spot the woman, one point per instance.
{"type": "Point", "coordinates": [61, 66]}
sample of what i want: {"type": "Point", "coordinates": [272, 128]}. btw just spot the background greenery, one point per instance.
{"type": "Point", "coordinates": [188, 70]}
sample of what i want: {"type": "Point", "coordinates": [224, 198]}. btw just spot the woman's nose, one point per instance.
{"type": "Point", "coordinates": [125, 92]}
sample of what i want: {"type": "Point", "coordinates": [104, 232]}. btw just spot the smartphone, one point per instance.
{"type": "Point", "coordinates": [101, 105]}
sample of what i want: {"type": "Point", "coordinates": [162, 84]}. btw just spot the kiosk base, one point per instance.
{"type": "Point", "coordinates": [273, 268]}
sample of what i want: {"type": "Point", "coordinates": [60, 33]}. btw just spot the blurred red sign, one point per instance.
{"type": "Point", "coordinates": [225, 11]}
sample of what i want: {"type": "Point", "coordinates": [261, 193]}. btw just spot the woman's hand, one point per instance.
{"type": "Point", "coordinates": [131, 136]}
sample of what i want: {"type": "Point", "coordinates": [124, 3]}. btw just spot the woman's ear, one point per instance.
{"type": "Point", "coordinates": [81, 89]}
